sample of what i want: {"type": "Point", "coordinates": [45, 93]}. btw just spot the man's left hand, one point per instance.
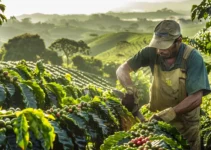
{"type": "Point", "coordinates": [166, 115]}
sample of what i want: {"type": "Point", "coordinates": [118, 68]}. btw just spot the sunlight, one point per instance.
{"type": "Point", "coordinates": [14, 8]}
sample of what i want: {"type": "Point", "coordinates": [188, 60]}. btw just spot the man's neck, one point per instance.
{"type": "Point", "coordinates": [170, 61]}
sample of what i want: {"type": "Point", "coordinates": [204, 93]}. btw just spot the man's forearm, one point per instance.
{"type": "Point", "coordinates": [123, 75]}
{"type": "Point", "coordinates": [189, 103]}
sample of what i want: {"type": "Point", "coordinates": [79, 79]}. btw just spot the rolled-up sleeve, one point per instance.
{"type": "Point", "coordinates": [143, 58]}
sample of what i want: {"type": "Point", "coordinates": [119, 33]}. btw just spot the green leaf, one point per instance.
{"type": "Point", "coordinates": [38, 92]}
{"type": "Point", "coordinates": [58, 90]}
{"type": "Point", "coordinates": [78, 134]}
{"type": "Point", "coordinates": [11, 142]}
{"type": "Point", "coordinates": [2, 94]}
{"type": "Point", "coordinates": [205, 15]}
{"type": "Point", "coordinates": [21, 131]}
{"type": "Point", "coordinates": [208, 24]}
{"type": "Point", "coordinates": [2, 7]}
{"type": "Point", "coordinates": [2, 137]}
{"type": "Point", "coordinates": [62, 136]}
{"type": "Point", "coordinates": [193, 15]}
{"type": "Point", "coordinates": [70, 90]}
{"type": "Point", "coordinates": [24, 71]}
{"type": "Point", "coordinates": [113, 140]}
{"type": "Point", "coordinates": [172, 143]}
{"type": "Point", "coordinates": [92, 129]}
{"type": "Point", "coordinates": [122, 147]}
{"type": "Point", "coordinates": [40, 126]}
{"type": "Point", "coordinates": [10, 88]}
{"type": "Point", "coordinates": [100, 123]}
{"type": "Point", "coordinates": [193, 7]}
{"type": "Point", "coordinates": [105, 114]}
{"type": "Point", "coordinates": [28, 96]}
{"type": "Point", "coordinates": [208, 46]}
{"type": "Point", "coordinates": [40, 67]}
{"type": "Point", "coordinates": [125, 117]}
{"type": "Point", "coordinates": [80, 122]}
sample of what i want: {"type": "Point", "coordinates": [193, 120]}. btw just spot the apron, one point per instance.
{"type": "Point", "coordinates": [168, 89]}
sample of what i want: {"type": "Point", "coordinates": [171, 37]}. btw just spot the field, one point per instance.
{"type": "Point", "coordinates": [50, 107]}
{"type": "Point", "coordinates": [44, 106]}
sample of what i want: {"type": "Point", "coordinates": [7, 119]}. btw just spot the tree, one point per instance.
{"type": "Point", "coordinates": [202, 40]}
{"type": "Point", "coordinates": [52, 57]}
{"type": "Point", "coordinates": [166, 10]}
{"type": "Point", "coordinates": [26, 46]}
{"type": "Point", "coordinates": [26, 21]}
{"type": "Point", "coordinates": [88, 64]}
{"type": "Point", "coordinates": [83, 47]}
{"type": "Point", "coordinates": [29, 47]}
{"type": "Point", "coordinates": [2, 17]}
{"type": "Point", "coordinates": [110, 68]}
{"type": "Point", "coordinates": [13, 19]}
{"type": "Point", "coordinates": [67, 46]}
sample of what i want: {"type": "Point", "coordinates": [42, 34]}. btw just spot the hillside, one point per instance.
{"type": "Point", "coordinates": [109, 42]}
{"type": "Point", "coordinates": [86, 27]}
{"type": "Point", "coordinates": [149, 15]}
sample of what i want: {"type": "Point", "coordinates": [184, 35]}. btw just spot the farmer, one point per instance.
{"type": "Point", "coordinates": [180, 81]}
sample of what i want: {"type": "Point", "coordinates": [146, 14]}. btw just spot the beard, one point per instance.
{"type": "Point", "coordinates": [169, 55]}
{"type": "Point", "coordinates": [173, 53]}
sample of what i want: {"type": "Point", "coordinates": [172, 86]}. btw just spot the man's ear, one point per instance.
{"type": "Point", "coordinates": [179, 40]}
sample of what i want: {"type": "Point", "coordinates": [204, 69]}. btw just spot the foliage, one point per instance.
{"type": "Point", "coordinates": [21, 123]}
{"type": "Point", "coordinates": [142, 83]}
{"type": "Point", "coordinates": [2, 16]}
{"type": "Point", "coordinates": [25, 46]}
{"type": "Point", "coordinates": [51, 57]}
{"type": "Point", "coordinates": [88, 64]}
{"type": "Point", "coordinates": [80, 117]}
{"type": "Point", "coordinates": [202, 40]}
{"type": "Point", "coordinates": [86, 121]}
{"type": "Point", "coordinates": [149, 135]}
{"type": "Point", "coordinates": [110, 68]}
{"type": "Point", "coordinates": [29, 47]}
{"type": "Point", "coordinates": [69, 47]}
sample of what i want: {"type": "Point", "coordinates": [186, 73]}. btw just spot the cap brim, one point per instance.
{"type": "Point", "coordinates": [160, 43]}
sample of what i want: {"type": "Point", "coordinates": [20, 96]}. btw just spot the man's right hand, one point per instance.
{"type": "Point", "coordinates": [128, 101]}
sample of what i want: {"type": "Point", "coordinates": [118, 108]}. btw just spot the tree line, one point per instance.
{"type": "Point", "coordinates": [32, 48]}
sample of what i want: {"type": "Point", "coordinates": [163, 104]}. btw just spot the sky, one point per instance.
{"type": "Point", "coordinates": [19, 7]}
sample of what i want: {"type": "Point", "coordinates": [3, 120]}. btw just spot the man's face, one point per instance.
{"type": "Point", "coordinates": [170, 52]}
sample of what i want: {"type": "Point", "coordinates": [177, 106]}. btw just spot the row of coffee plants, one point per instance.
{"type": "Point", "coordinates": [44, 109]}
{"type": "Point", "coordinates": [72, 117]}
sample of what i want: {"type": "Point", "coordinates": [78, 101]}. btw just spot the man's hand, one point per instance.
{"type": "Point", "coordinates": [139, 116]}
{"type": "Point", "coordinates": [166, 115]}
{"type": "Point", "coordinates": [128, 101]}
{"type": "Point", "coordinates": [155, 117]}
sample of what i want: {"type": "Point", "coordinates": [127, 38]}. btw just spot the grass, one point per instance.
{"type": "Point", "coordinates": [190, 30]}
{"type": "Point", "coordinates": [108, 47]}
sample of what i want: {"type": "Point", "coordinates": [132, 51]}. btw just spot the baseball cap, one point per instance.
{"type": "Point", "coordinates": [165, 34]}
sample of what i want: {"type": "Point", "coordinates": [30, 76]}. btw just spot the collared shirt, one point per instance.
{"type": "Point", "coordinates": [197, 78]}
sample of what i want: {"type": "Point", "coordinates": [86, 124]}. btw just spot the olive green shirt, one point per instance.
{"type": "Point", "coordinates": [197, 78]}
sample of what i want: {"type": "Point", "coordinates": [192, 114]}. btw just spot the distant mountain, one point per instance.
{"type": "Point", "coordinates": [39, 17]}
{"type": "Point", "coordinates": [182, 6]}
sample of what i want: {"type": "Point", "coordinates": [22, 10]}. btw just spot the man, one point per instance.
{"type": "Point", "coordinates": [179, 80]}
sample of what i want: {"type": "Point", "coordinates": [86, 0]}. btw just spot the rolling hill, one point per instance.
{"type": "Point", "coordinates": [113, 41]}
